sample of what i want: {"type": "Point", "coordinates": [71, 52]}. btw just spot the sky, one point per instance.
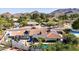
{"type": "Point", "coordinates": [26, 10]}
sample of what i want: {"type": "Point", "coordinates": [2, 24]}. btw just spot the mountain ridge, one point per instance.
{"type": "Point", "coordinates": [55, 13]}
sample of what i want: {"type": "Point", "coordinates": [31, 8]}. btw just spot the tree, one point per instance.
{"type": "Point", "coordinates": [72, 16]}
{"type": "Point", "coordinates": [42, 16]}
{"type": "Point", "coordinates": [60, 23]}
{"type": "Point", "coordinates": [39, 20]}
{"type": "Point", "coordinates": [63, 17]}
{"type": "Point", "coordinates": [75, 24]}
{"type": "Point", "coordinates": [23, 21]}
{"type": "Point", "coordinates": [51, 23]}
{"type": "Point", "coordinates": [34, 16]}
{"type": "Point", "coordinates": [71, 39]}
{"type": "Point", "coordinates": [5, 23]}
{"type": "Point", "coordinates": [67, 30]}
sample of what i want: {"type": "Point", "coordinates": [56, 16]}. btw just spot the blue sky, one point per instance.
{"type": "Point", "coordinates": [25, 10]}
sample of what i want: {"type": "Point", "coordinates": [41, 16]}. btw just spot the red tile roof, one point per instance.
{"type": "Point", "coordinates": [37, 31]}
{"type": "Point", "coordinates": [15, 33]}
{"type": "Point", "coordinates": [43, 31]}
{"type": "Point", "coordinates": [53, 35]}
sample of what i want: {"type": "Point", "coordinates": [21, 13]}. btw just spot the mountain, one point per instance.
{"type": "Point", "coordinates": [58, 12]}
{"type": "Point", "coordinates": [18, 15]}
{"type": "Point", "coordinates": [34, 12]}
{"type": "Point", "coordinates": [65, 11]}
{"type": "Point", "coordinates": [7, 14]}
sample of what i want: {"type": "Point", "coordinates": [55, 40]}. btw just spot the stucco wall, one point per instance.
{"type": "Point", "coordinates": [22, 44]}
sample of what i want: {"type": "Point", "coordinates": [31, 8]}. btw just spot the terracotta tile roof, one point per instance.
{"type": "Point", "coordinates": [15, 33]}
{"type": "Point", "coordinates": [53, 35]}
{"type": "Point", "coordinates": [34, 31]}
{"type": "Point", "coordinates": [37, 31]}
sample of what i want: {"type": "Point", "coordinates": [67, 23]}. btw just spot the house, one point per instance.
{"type": "Point", "coordinates": [44, 33]}
{"type": "Point", "coordinates": [24, 34]}
{"type": "Point", "coordinates": [37, 31]}
{"type": "Point", "coordinates": [67, 24]}
{"type": "Point", "coordinates": [32, 23]}
{"type": "Point", "coordinates": [15, 19]}
{"type": "Point", "coordinates": [19, 33]}
{"type": "Point", "coordinates": [25, 37]}
{"type": "Point", "coordinates": [53, 37]}
{"type": "Point", "coordinates": [16, 24]}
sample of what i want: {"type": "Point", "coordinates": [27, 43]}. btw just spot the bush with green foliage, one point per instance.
{"type": "Point", "coordinates": [75, 24]}
{"type": "Point", "coordinates": [22, 21]}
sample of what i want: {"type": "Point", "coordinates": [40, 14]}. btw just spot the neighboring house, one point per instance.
{"type": "Point", "coordinates": [15, 19]}
{"type": "Point", "coordinates": [31, 23]}
{"type": "Point", "coordinates": [67, 24]}
{"type": "Point", "coordinates": [16, 24]}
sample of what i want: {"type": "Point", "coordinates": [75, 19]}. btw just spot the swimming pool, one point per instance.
{"type": "Point", "coordinates": [76, 33]}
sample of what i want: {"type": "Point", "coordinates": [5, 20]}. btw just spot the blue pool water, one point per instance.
{"type": "Point", "coordinates": [75, 33]}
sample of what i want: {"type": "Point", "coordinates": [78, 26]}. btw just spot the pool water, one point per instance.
{"type": "Point", "coordinates": [75, 33]}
